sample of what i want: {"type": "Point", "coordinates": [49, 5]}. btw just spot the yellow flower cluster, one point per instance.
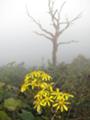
{"type": "Point", "coordinates": [46, 95]}
{"type": "Point", "coordinates": [35, 79]}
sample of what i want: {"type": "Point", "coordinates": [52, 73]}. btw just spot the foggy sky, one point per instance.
{"type": "Point", "coordinates": [19, 43]}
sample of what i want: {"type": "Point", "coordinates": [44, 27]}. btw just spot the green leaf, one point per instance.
{"type": "Point", "coordinates": [25, 115]}
{"type": "Point", "coordinates": [4, 116]}
{"type": "Point", "coordinates": [12, 104]}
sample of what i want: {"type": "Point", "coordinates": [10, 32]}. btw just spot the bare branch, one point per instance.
{"type": "Point", "coordinates": [44, 35]}
{"type": "Point", "coordinates": [65, 28]}
{"type": "Point", "coordinates": [72, 20]}
{"type": "Point", "coordinates": [61, 7]}
{"type": "Point", "coordinates": [39, 24]}
{"type": "Point", "coordinates": [68, 23]}
{"type": "Point", "coordinates": [77, 17]}
{"type": "Point", "coordinates": [53, 12]}
{"type": "Point", "coordinates": [68, 42]}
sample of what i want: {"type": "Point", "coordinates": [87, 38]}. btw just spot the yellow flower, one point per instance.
{"type": "Point", "coordinates": [46, 94]}
{"type": "Point", "coordinates": [24, 87]}
{"type": "Point", "coordinates": [67, 96]}
{"type": "Point", "coordinates": [46, 77]}
{"type": "Point", "coordinates": [36, 79]}
{"type": "Point", "coordinates": [34, 83]}
{"type": "Point", "coordinates": [39, 75]}
{"type": "Point", "coordinates": [47, 100]}
{"type": "Point", "coordinates": [38, 100]}
{"type": "Point", "coordinates": [61, 100]}
{"type": "Point", "coordinates": [27, 79]}
{"type": "Point", "coordinates": [46, 86]}
{"type": "Point", "coordinates": [57, 93]}
{"type": "Point", "coordinates": [35, 74]}
{"type": "Point", "coordinates": [61, 104]}
{"type": "Point", "coordinates": [40, 94]}
{"type": "Point", "coordinates": [37, 105]}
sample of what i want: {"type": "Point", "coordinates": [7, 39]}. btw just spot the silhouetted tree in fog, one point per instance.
{"type": "Point", "coordinates": [58, 25]}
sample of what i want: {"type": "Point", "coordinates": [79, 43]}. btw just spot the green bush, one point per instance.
{"type": "Point", "coordinates": [12, 104]}
{"type": "Point", "coordinates": [12, 73]}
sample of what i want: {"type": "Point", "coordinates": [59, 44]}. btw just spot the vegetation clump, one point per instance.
{"type": "Point", "coordinates": [42, 97]}
{"type": "Point", "coordinates": [46, 96]}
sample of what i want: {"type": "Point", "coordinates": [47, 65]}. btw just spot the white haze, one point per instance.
{"type": "Point", "coordinates": [19, 43]}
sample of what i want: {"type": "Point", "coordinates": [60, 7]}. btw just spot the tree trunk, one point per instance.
{"type": "Point", "coordinates": [54, 53]}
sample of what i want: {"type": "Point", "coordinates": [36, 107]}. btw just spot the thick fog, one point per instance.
{"type": "Point", "coordinates": [19, 43]}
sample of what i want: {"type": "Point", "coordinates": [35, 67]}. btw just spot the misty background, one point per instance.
{"type": "Point", "coordinates": [19, 43]}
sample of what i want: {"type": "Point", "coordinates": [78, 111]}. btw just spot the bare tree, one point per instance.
{"type": "Point", "coordinates": [57, 24]}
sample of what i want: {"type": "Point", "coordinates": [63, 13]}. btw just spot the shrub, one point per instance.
{"type": "Point", "coordinates": [45, 95]}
